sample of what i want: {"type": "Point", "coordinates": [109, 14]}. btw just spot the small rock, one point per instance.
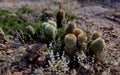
{"type": "Point", "coordinates": [111, 28]}
{"type": "Point", "coordinates": [3, 17]}
{"type": "Point", "coordinates": [21, 49]}
{"type": "Point", "coordinates": [107, 39]}
{"type": "Point", "coordinates": [114, 35]}
{"type": "Point", "coordinates": [8, 72]}
{"type": "Point", "coordinates": [104, 73]}
{"type": "Point", "coordinates": [3, 46]}
{"type": "Point", "coordinates": [115, 64]}
{"type": "Point", "coordinates": [2, 35]}
{"type": "Point", "coordinates": [21, 65]}
{"type": "Point", "coordinates": [118, 60]}
{"type": "Point", "coordinates": [113, 31]}
{"type": "Point", "coordinates": [10, 51]}
{"type": "Point", "coordinates": [105, 31]}
{"type": "Point", "coordinates": [17, 73]}
{"type": "Point", "coordinates": [12, 15]}
{"type": "Point", "coordinates": [9, 38]}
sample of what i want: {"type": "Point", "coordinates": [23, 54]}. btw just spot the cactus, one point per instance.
{"type": "Point", "coordinates": [60, 17]}
{"type": "Point", "coordinates": [44, 25]}
{"type": "Point", "coordinates": [70, 51]}
{"type": "Point", "coordinates": [52, 23]}
{"type": "Point", "coordinates": [81, 39]}
{"type": "Point", "coordinates": [50, 31]}
{"type": "Point", "coordinates": [97, 49]}
{"type": "Point", "coordinates": [97, 46]}
{"type": "Point", "coordinates": [71, 27]}
{"type": "Point", "coordinates": [77, 31]}
{"type": "Point", "coordinates": [70, 40]}
{"type": "Point", "coordinates": [96, 35]}
{"type": "Point", "coordinates": [30, 30]}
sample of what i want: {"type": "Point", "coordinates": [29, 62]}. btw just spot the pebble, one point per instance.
{"type": "Point", "coordinates": [107, 39]}
{"type": "Point", "coordinates": [115, 64]}
{"type": "Point", "coordinates": [112, 31]}
{"type": "Point", "coordinates": [3, 46]}
{"type": "Point", "coordinates": [8, 72]}
{"type": "Point", "coordinates": [9, 51]}
{"type": "Point", "coordinates": [17, 73]}
{"type": "Point", "coordinates": [118, 60]}
{"type": "Point", "coordinates": [104, 73]}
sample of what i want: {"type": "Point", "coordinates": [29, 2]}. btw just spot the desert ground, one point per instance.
{"type": "Point", "coordinates": [28, 56]}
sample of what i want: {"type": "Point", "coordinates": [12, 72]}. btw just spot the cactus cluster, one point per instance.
{"type": "Point", "coordinates": [77, 39]}
{"type": "Point", "coordinates": [60, 17]}
{"type": "Point", "coordinates": [74, 37]}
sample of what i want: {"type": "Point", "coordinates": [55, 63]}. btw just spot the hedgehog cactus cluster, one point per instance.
{"type": "Point", "coordinates": [77, 32]}
{"type": "Point", "coordinates": [76, 38]}
{"type": "Point", "coordinates": [71, 38]}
